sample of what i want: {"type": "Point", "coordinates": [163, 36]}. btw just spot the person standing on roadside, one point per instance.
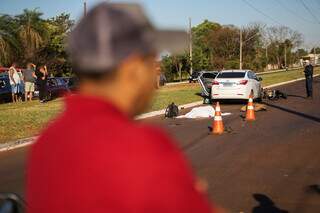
{"type": "Point", "coordinates": [96, 157]}
{"type": "Point", "coordinates": [21, 85]}
{"type": "Point", "coordinates": [42, 76]}
{"type": "Point", "coordinates": [29, 81]}
{"type": "Point", "coordinates": [308, 72]}
{"type": "Point", "coordinates": [14, 82]}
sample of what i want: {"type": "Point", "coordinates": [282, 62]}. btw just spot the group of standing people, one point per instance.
{"type": "Point", "coordinates": [23, 82]}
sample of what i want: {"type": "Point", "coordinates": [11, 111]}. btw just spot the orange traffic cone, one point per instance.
{"type": "Point", "coordinates": [250, 109]}
{"type": "Point", "coordinates": [217, 127]}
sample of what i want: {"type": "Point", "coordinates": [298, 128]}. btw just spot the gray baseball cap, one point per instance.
{"type": "Point", "coordinates": [111, 32]}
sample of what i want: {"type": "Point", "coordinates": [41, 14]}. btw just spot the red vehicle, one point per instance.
{"type": "Point", "coordinates": [3, 69]}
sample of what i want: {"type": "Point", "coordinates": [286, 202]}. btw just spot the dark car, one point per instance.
{"type": "Point", "coordinates": [193, 77]}
{"type": "Point", "coordinates": [72, 83]}
{"type": "Point", "coordinates": [56, 87]}
{"type": "Point", "coordinates": [5, 88]}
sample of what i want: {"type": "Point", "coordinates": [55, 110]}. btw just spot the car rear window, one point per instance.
{"type": "Point", "coordinates": [209, 75]}
{"type": "Point", "coordinates": [231, 75]}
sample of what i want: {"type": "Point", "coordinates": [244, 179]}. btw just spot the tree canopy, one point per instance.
{"type": "Point", "coordinates": [28, 37]}
{"type": "Point", "coordinates": [217, 47]}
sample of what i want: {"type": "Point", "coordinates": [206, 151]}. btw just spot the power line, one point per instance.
{"type": "Point", "coordinates": [308, 9]}
{"type": "Point", "coordinates": [261, 12]}
{"type": "Point", "coordinates": [317, 4]}
{"type": "Point", "coordinates": [294, 13]}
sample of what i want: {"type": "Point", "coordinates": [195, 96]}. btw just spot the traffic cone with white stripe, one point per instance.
{"type": "Point", "coordinates": [250, 116]}
{"type": "Point", "coordinates": [217, 127]}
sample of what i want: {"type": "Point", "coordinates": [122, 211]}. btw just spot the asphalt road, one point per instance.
{"type": "Point", "coordinates": [264, 166]}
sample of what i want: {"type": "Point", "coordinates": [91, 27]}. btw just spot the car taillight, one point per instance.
{"type": "Point", "coordinates": [215, 83]}
{"type": "Point", "coordinates": [243, 82]}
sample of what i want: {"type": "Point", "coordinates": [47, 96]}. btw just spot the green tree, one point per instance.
{"type": "Point", "coordinates": [9, 45]}
{"type": "Point", "coordinates": [302, 52]}
{"type": "Point", "coordinates": [28, 37]}
{"type": "Point", "coordinates": [202, 54]}
{"type": "Point", "coordinates": [315, 49]}
{"type": "Point", "coordinates": [54, 54]}
{"type": "Point", "coordinates": [32, 33]}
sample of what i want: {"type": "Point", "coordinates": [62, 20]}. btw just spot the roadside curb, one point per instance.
{"type": "Point", "coordinates": [161, 112]}
{"type": "Point", "coordinates": [17, 144]}
{"type": "Point", "coordinates": [176, 83]}
{"type": "Point", "coordinates": [27, 141]}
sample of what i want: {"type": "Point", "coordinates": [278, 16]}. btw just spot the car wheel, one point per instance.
{"type": "Point", "coordinates": [49, 96]}
{"type": "Point", "coordinates": [259, 99]}
{"type": "Point", "coordinates": [207, 100]}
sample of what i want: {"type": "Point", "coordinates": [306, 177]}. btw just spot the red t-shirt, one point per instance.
{"type": "Point", "coordinates": [94, 159]}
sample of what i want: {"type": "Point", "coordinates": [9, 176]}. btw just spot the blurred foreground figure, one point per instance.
{"type": "Point", "coordinates": [95, 157]}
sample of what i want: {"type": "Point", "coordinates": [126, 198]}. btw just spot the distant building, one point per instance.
{"type": "Point", "coordinates": [313, 58]}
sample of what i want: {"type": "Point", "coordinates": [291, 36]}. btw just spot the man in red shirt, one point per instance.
{"type": "Point", "coordinates": [95, 157]}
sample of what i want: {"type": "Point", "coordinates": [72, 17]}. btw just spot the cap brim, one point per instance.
{"type": "Point", "coordinates": [172, 41]}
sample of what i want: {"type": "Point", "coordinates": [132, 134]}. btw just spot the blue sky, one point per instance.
{"type": "Point", "coordinates": [175, 13]}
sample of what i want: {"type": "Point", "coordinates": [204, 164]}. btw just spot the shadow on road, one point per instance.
{"type": "Point", "coordinates": [310, 117]}
{"type": "Point", "coordinates": [223, 101]}
{"type": "Point", "coordinates": [296, 96]}
{"type": "Point", "coordinates": [266, 205]}
{"type": "Point", "coordinates": [314, 189]}
{"type": "Point", "coordinates": [200, 94]}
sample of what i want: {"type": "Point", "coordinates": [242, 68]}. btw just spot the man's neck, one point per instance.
{"type": "Point", "coordinates": [110, 94]}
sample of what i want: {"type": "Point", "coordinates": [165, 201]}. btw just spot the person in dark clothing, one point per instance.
{"type": "Point", "coordinates": [42, 83]}
{"type": "Point", "coordinates": [308, 72]}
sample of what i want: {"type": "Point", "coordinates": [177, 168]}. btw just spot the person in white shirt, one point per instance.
{"type": "Point", "coordinates": [15, 81]}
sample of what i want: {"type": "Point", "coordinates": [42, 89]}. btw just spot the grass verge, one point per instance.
{"type": "Point", "coordinates": [279, 77]}
{"type": "Point", "coordinates": [24, 120]}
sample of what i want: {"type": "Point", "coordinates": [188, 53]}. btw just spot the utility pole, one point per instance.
{"type": "Point", "coordinates": [84, 8]}
{"type": "Point", "coordinates": [240, 49]}
{"type": "Point", "coordinates": [190, 46]}
{"type": "Point", "coordinates": [314, 54]}
{"type": "Point", "coordinates": [267, 60]}
{"type": "Point", "coordinates": [285, 56]}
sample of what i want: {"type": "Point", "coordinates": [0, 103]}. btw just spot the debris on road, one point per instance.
{"type": "Point", "coordinates": [201, 112]}
{"type": "Point", "coordinates": [257, 108]}
{"type": "Point", "coordinates": [172, 111]}
{"type": "Point", "coordinates": [274, 94]}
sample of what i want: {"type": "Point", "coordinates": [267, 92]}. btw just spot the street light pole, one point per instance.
{"type": "Point", "coordinates": [240, 49]}
{"type": "Point", "coordinates": [314, 54]}
{"type": "Point", "coordinates": [267, 60]}
{"type": "Point", "coordinates": [190, 46]}
{"type": "Point", "coordinates": [84, 8]}
{"type": "Point", "coordinates": [285, 56]}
